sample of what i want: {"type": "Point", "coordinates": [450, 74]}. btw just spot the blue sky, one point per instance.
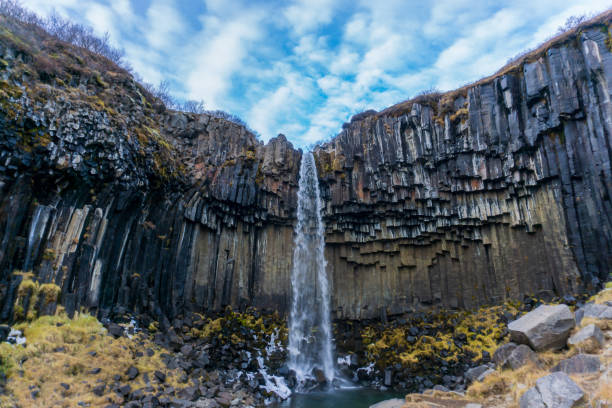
{"type": "Point", "coordinates": [304, 67]}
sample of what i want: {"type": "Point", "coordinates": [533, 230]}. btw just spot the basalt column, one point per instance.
{"type": "Point", "coordinates": [493, 191]}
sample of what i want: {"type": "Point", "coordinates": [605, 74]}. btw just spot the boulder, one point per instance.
{"type": "Point", "coordinates": [595, 311]}
{"type": "Point", "coordinates": [579, 364]}
{"type": "Point", "coordinates": [388, 377]}
{"type": "Point", "coordinates": [546, 327]}
{"type": "Point", "coordinates": [391, 403]}
{"type": "Point", "coordinates": [98, 390]}
{"type": "Point", "coordinates": [532, 399]}
{"type": "Point", "coordinates": [555, 390]}
{"type": "Point", "coordinates": [477, 373]}
{"type": "Point", "coordinates": [132, 373]}
{"type": "Point", "coordinates": [115, 330]}
{"type": "Point", "coordinates": [502, 353]}
{"type": "Point", "coordinates": [319, 375]}
{"type": "Point", "coordinates": [520, 356]}
{"type": "Point", "coordinates": [590, 339]}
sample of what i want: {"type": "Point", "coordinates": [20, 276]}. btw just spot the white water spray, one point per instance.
{"type": "Point", "coordinates": [310, 335]}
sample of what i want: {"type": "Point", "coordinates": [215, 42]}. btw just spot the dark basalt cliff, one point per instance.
{"type": "Point", "coordinates": [490, 192]}
{"type": "Point", "coordinates": [125, 205]}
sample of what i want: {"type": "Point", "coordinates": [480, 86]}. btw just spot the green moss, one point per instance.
{"type": "Point", "coordinates": [606, 30]}
{"type": "Point", "coordinates": [228, 162]}
{"type": "Point", "coordinates": [49, 254]}
{"type": "Point", "coordinates": [235, 328]}
{"type": "Point", "coordinates": [31, 295]}
{"type": "Point", "coordinates": [49, 293]}
{"type": "Point", "coordinates": [15, 41]}
{"type": "Point", "coordinates": [100, 81]}
{"type": "Point", "coordinates": [259, 177]}
{"type": "Point", "coordinates": [153, 327]}
{"type": "Point", "coordinates": [481, 330]}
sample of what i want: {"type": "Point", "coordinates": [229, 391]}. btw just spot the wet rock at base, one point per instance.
{"type": "Point", "coordinates": [546, 327]}
{"type": "Point", "coordinates": [115, 330]}
{"type": "Point", "coordinates": [555, 390]}
{"type": "Point", "coordinates": [319, 375]}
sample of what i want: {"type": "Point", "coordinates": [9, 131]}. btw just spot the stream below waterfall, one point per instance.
{"type": "Point", "coordinates": [343, 398]}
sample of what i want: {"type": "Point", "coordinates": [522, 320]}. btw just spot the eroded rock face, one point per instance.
{"type": "Point", "coordinates": [493, 191]}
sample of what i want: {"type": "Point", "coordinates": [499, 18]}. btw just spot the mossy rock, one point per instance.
{"type": "Point", "coordinates": [34, 299]}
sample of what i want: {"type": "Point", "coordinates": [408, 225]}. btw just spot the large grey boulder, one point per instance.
{"type": "Point", "coordinates": [520, 356]}
{"type": "Point", "coordinates": [590, 339]}
{"type": "Point", "coordinates": [502, 353]}
{"type": "Point", "coordinates": [546, 327]}
{"type": "Point", "coordinates": [579, 364]}
{"type": "Point", "coordinates": [555, 390]}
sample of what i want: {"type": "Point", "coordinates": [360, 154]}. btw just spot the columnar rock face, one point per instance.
{"type": "Point", "coordinates": [496, 190]}
{"type": "Point", "coordinates": [127, 206]}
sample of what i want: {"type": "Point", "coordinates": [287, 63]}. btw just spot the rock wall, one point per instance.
{"type": "Point", "coordinates": [493, 191]}
{"type": "Point", "coordinates": [496, 190]}
{"type": "Point", "coordinates": [128, 206]}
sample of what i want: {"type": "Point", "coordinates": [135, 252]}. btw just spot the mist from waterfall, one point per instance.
{"type": "Point", "coordinates": [310, 334]}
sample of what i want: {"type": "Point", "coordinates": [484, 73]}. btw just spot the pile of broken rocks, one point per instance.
{"type": "Point", "coordinates": [547, 328]}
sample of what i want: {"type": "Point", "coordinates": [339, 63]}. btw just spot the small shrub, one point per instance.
{"type": "Point", "coordinates": [572, 22]}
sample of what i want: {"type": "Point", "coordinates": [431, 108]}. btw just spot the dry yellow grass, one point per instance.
{"type": "Point", "coordinates": [603, 296]}
{"type": "Point", "coordinates": [46, 366]}
{"type": "Point", "coordinates": [603, 393]}
{"type": "Point", "coordinates": [603, 324]}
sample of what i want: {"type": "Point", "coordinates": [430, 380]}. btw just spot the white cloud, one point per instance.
{"type": "Point", "coordinates": [163, 25]}
{"type": "Point", "coordinates": [222, 46]}
{"type": "Point", "coordinates": [308, 15]}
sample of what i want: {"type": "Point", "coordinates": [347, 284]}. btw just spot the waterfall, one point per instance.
{"type": "Point", "coordinates": [310, 334]}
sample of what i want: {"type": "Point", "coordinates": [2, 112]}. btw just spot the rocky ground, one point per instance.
{"type": "Point", "coordinates": [199, 362]}
{"type": "Point", "coordinates": [420, 350]}
{"type": "Point", "coordinates": [556, 358]}
{"type": "Point", "coordinates": [238, 358]}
